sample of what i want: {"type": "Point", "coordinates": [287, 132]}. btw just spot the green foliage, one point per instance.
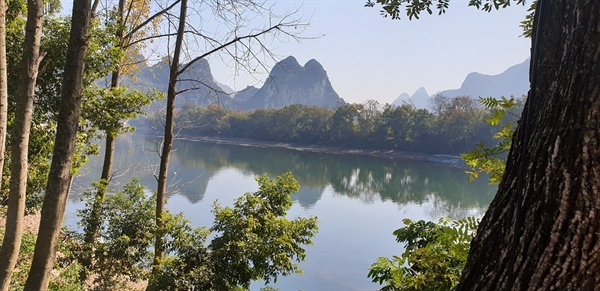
{"type": "Point", "coordinates": [108, 109]}
{"type": "Point", "coordinates": [453, 127]}
{"type": "Point", "coordinates": [124, 237]}
{"type": "Point", "coordinates": [527, 23]}
{"type": "Point", "coordinates": [491, 160]}
{"type": "Point", "coordinates": [414, 8]}
{"type": "Point", "coordinates": [254, 238]}
{"type": "Point", "coordinates": [434, 255]}
{"type": "Point", "coordinates": [187, 265]}
{"type": "Point", "coordinates": [24, 261]}
{"type": "Point", "coordinates": [65, 276]}
{"type": "Point", "coordinates": [102, 57]}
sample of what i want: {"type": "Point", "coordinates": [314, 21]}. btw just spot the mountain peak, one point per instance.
{"type": "Point", "coordinates": [284, 67]}
{"type": "Point", "coordinates": [289, 83]}
{"type": "Point", "coordinates": [421, 92]}
{"type": "Point", "coordinates": [419, 99]}
{"type": "Point", "coordinates": [514, 81]}
{"type": "Point", "coordinates": [313, 64]}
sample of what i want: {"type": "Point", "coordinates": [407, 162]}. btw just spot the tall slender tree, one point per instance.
{"type": "Point", "coordinates": [132, 24]}
{"type": "Point", "coordinates": [59, 179]}
{"type": "Point", "coordinates": [238, 45]}
{"type": "Point", "coordinates": [3, 86]}
{"type": "Point", "coordinates": [30, 61]}
{"type": "Point", "coordinates": [168, 142]}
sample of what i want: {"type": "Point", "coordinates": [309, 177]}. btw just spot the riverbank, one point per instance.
{"type": "Point", "coordinates": [446, 160]}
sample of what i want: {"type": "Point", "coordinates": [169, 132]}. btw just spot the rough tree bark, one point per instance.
{"type": "Point", "coordinates": [3, 85]}
{"type": "Point", "coordinates": [25, 95]}
{"type": "Point", "coordinates": [542, 231]}
{"type": "Point", "coordinates": [59, 178]}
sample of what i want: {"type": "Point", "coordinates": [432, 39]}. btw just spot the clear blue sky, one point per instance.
{"type": "Point", "coordinates": [367, 56]}
{"type": "Point", "coordinates": [370, 57]}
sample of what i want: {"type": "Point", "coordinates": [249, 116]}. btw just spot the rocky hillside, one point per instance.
{"type": "Point", "coordinates": [290, 83]}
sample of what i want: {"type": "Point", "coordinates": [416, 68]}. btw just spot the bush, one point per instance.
{"type": "Point", "coordinates": [434, 255]}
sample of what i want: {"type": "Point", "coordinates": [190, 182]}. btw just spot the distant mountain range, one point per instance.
{"type": "Point", "coordinates": [291, 83]}
{"type": "Point", "coordinates": [512, 82]}
{"type": "Point", "coordinates": [288, 83]}
{"type": "Point", "coordinates": [419, 99]}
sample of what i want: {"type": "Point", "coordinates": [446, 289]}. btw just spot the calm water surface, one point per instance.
{"type": "Point", "coordinates": [359, 201]}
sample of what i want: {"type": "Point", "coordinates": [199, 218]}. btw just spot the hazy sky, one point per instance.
{"type": "Point", "coordinates": [370, 57]}
{"type": "Point", "coordinates": [367, 56]}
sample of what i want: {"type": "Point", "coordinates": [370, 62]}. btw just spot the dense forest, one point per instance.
{"type": "Point", "coordinates": [453, 126]}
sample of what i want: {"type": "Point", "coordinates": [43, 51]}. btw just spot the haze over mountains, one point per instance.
{"type": "Point", "coordinates": [512, 82]}
{"type": "Point", "coordinates": [288, 83]}
{"type": "Point", "coordinates": [291, 83]}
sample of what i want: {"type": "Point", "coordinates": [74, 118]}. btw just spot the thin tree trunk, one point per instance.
{"type": "Point", "coordinates": [95, 216]}
{"type": "Point", "coordinates": [59, 178]}
{"type": "Point", "coordinates": [168, 143]}
{"type": "Point", "coordinates": [91, 233]}
{"type": "Point", "coordinates": [542, 231]}
{"type": "Point", "coordinates": [3, 86]}
{"type": "Point", "coordinates": [20, 142]}
{"type": "Point", "coordinates": [109, 150]}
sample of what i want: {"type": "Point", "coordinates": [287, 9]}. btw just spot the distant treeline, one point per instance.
{"type": "Point", "coordinates": [453, 125]}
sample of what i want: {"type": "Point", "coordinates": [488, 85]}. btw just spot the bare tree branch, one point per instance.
{"type": "Point", "coordinates": [151, 18]}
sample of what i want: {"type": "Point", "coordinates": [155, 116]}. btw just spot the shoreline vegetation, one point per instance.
{"type": "Point", "coordinates": [453, 127]}
{"type": "Point", "coordinates": [438, 159]}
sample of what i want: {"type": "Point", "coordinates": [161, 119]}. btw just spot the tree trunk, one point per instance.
{"type": "Point", "coordinates": [95, 216]}
{"type": "Point", "coordinates": [109, 148]}
{"type": "Point", "coordinates": [20, 141]}
{"type": "Point", "coordinates": [541, 232]}
{"type": "Point", "coordinates": [3, 86]}
{"type": "Point", "coordinates": [59, 178]}
{"type": "Point", "coordinates": [167, 143]}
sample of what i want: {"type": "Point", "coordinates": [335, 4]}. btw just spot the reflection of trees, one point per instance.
{"type": "Point", "coordinates": [136, 157]}
{"type": "Point", "coordinates": [365, 178]}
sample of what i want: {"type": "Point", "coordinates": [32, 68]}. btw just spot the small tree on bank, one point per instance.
{"type": "Point", "coordinates": [253, 240]}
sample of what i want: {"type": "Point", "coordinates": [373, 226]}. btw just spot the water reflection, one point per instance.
{"type": "Point", "coordinates": [193, 164]}
{"type": "Point", "coordinates": [359, 201]}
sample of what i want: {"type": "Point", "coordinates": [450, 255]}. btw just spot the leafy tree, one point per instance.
{"type": "Point", "coordinates": [433, 259]}
{"type": "Point", "coordinates": [346, 121]}
{"type": "Point", "coordinates": [254, 238]}
{"type": "Point", "coordinates": [404, 125]}
{"type": "Point", "coordinates": [107, 110]}
{"type": "Point", "coordinates": [125, 235]}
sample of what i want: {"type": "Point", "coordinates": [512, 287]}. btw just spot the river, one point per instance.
{"type": "Point", "coordinates": [358, 200]}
